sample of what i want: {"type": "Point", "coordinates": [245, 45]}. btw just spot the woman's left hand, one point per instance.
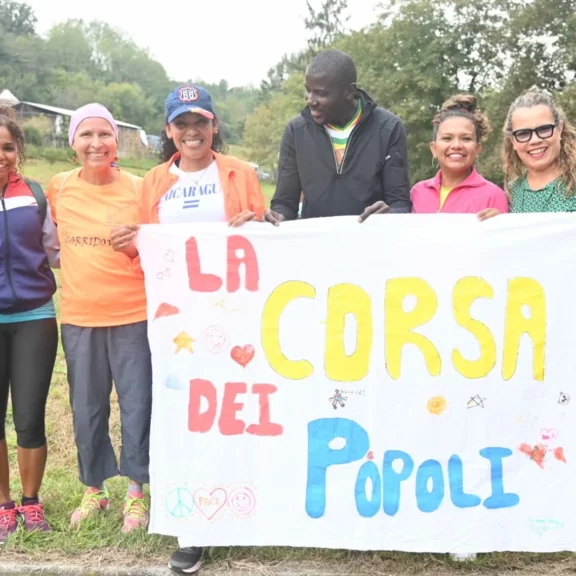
{"type": "Point", "coordinates": [242, 218]}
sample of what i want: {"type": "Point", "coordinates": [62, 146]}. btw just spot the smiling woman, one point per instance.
{"type": "Point", "coordinates": [539, 156]}
{"type": "Point", "coordinates": [103, 316]}
{"type": "Point", "coordinates": [28, 328]}
{"type": "Point", "coordinates": [196, 182]}
{"type": "Point", "coordinates": [459, 129]}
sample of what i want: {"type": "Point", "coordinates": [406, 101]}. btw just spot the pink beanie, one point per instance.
{"type": "Point", "coordinates": [90, 111]}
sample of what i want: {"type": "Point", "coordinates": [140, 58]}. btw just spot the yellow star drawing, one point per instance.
{"type": "Point", "coordinates": [184, 342]}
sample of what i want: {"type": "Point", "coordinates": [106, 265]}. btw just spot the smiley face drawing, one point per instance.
{"type": "Point", "coordinates": [216, 339]}
{"type": "Point", "coordinates": [242, 501]}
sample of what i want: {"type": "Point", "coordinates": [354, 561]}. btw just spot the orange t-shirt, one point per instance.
{"type": "Point", "coordinates": [100, 287]}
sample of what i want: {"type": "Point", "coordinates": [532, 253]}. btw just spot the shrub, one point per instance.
{"type": "Point", "coordinates": [32, 135]}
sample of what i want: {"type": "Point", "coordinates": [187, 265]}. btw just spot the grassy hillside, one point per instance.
{"type": "Point", "coordinates": [42, 171]}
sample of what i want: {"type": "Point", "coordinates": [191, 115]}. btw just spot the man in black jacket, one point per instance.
{"type": "Point", "coordinates": [345, 154]}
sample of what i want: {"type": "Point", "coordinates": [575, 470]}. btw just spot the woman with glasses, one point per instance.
{"type": "Point", "coordinates": [539, 156]}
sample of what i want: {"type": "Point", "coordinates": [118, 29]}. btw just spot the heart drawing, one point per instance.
{"type": "Point", "coordinates": [163, 274]}
{"type": "Point", "coordinates": [243, 355]}
{"type": "Point", "coordinates": [210, 503]}
{"type": "Point", "coordinates": [549, 434]}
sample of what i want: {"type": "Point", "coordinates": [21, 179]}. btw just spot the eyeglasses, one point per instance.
{"type": "Point", "coordinates": [525, 134]}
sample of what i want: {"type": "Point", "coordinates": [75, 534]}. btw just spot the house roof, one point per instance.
{"type": "Point", "coordinates": [7, 96]}
{"type": "Point", "coordinates": [65, 112]}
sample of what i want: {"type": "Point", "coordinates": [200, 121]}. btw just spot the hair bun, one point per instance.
{"type": "Point", "coordinates": [465, 102]}
{"type": "Point", "coordinates": [463, 105]}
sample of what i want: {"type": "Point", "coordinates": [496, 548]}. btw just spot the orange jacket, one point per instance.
{"type": "Point", "coordinates": [240, 186]}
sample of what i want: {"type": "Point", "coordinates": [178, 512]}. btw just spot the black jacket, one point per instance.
{"type": "Point", "coordinates": [375, 167]}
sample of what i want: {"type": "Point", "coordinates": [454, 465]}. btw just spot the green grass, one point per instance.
{"type": "Point", "coordinates": [239, 152]}
{"type": "Point", "coordinates": [101, 542]}
{"type": "Point", "coordinates": [42, 171]}
{"type": "Point", "coordinates": [268, 189]}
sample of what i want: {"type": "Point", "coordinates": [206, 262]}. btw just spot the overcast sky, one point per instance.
{"type": "Point", "coordinates": [210, 39]}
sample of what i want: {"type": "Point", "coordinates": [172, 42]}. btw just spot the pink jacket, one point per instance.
{"type": "Point", "coordinates": [469, 197]}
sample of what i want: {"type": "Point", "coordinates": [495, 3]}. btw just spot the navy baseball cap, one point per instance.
{"type": "Point", "coordinates": [189, 98]}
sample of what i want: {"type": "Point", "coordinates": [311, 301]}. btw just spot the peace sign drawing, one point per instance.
{"type": "Point", "coordinates": [179, 503]}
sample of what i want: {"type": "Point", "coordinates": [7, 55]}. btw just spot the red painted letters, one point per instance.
{"type": "Point", "coordinates": [197, 281]}
{"type": "Point", "coordinates": [229, 425]}
{"type": "Point", "coordinates": [264, 426]}
{"type": "Point", "coordinates": [202, 282]}
{"type": "Point", "coordinates": [229, 422]}
{"type": "Point", "coordinates": [250, 261]}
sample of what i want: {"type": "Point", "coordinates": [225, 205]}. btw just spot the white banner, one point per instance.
{"type": "Point", "coordinates": [402, 384]}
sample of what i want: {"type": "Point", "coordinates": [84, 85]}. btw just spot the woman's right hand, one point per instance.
{"type": "Point", "coordinates": [487, 213]}
{"type": "Point", "coordinates": [122, 238]}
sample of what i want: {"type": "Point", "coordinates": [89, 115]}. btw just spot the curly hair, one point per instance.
{"type": "Point", "coordinates": [463, 106]}
{"type": "Point", "coordinates": [8, 121]}
{"type": "Point", "coordinates": [168, 148]}
{"type": "Point", "coordinates": [513, 167]}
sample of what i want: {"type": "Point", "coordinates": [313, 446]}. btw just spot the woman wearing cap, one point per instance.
{"type": "Point", "coordinates": [195, 183]}
{"type": "Point", "coordinates": [103, 316]}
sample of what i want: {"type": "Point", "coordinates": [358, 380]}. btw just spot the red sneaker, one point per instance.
{"type": "Point", "coordinates": [33, 516]}
{"type": "Point", "coordinates": [8, 522]}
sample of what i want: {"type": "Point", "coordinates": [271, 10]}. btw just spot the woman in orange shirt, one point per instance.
{"type": "Point", "coordinates": [103, 316]}
{"type": "Point", "coordinates": [196, 183]}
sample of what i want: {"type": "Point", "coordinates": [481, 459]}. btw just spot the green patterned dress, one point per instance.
{"type": "Point", "coordinates": [551, 198]}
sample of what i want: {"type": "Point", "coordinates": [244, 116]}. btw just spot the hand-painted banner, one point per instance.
{"type": "Point", "coordinates": [402, 384]}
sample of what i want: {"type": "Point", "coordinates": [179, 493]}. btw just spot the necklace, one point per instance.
{"type": "Point", "coordinates": [197, 181]}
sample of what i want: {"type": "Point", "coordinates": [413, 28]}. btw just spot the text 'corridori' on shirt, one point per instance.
{"type": "Point", "coordinates": [194, 197]}
{"type": "Point", "coordinates": [100, 287]}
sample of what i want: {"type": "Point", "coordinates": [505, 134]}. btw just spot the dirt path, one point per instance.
{"type": "Point", "coordinates": [526, 565]}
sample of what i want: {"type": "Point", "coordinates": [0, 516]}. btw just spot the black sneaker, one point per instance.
{"type": "Point", "coordinates": [186, 560]}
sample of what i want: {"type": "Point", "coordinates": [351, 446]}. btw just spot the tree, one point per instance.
{"type": "Point", "coordinates": [326, 24]}
{"type": "Point", "coordinates": [72, 90]}
{"type": "Point", "coordinates": [69, 48]}
{"type": "Point", "coordinates": [404, 63]}
{"type": "Point", "coordinates": [129, 103]}
{"type": "Point", "coordinates": [543, 42]}
{"type": "Point", "coordinates": [265, 126]}
{"type": "Point", "coordinates": [17, 18]}
{"type": "Point", "coordinates": [118, 59]}
{"type": "Point", "coordinates": [277, 75]}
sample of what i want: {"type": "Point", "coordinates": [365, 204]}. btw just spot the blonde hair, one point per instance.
{"type": "Point", "coordinates": [464, 106]}
{"type": "Point", "coordinates": [512, 165]}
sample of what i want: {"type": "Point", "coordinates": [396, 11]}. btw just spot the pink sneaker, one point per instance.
{"type": "Point", "coordinates": [8, 522]}
{"type": "Point", "coordinates": [33, 516]}
{"type": "Point", "coordinates": [135, 512]}
{"type": "Point", "coordinates": [93, 502]}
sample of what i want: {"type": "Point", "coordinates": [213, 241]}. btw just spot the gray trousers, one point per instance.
{"type": "Point", "coordinates": [95, 357]}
